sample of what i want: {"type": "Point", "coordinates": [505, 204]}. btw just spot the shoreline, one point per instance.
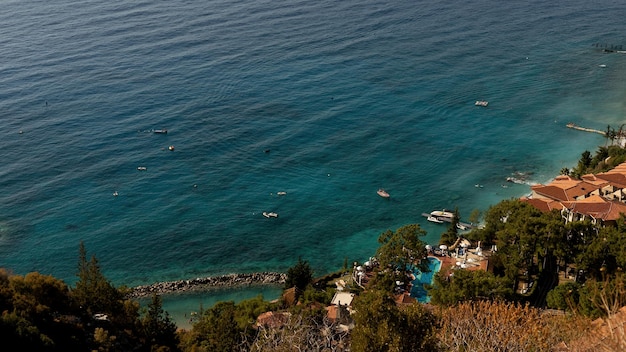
{"type": "Point", "coordinates": [207, 283]}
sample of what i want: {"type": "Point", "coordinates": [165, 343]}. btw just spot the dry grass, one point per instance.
{"type": "Point", "coordinates": [500, 326]}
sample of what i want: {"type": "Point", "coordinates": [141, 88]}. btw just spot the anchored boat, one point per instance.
{"type": "Point", "coordinates": [442, 214]}
{"type": "Point", "coordinates": [434, 219]}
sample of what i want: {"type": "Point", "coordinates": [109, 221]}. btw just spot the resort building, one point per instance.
{"type": "Point", "coordinates": [600, 198]}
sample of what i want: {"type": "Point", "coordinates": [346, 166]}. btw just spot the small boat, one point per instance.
{"type": "Point", "coordinates": [171, 147]}
{"type": "Point", "coordinates": [142, 168]}
{"type": "Point", "coordinates": [270, 214]}
{"type": "Point", "coordinates": [434, 219]}
{"type": "Point", "coordinates": [381, 192]}
{"type": "Point", "coordinates": [481, 103]}
{"type": "Point", "coordinates": [160, 131]}
{"type": "Point", "coordinates": [115, 194]}
{"type": "Point", "coordinates": [461, 227]}
{"type": "Point", "coordinates": [281, 193]}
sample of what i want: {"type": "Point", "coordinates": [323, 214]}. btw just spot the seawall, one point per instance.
{"type": "Point", "coordinates": [206, 283]}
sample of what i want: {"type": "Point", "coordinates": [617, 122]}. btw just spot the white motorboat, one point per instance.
{"type": "Point", "coordinates": [270, 214]}
{"type": "Point", "coordinates": [481, 103]}
{"type": "Point", "coordinates": [381, 192]}
{"type": "Point", "coordinates": [434, 219]}
{"type": "Point", "coordinates": [442, 214]}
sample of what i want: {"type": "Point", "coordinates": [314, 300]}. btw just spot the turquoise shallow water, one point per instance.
{"type": "Point", "coordinates": [347, 97]}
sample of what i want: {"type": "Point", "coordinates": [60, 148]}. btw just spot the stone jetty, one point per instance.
{"type": "Point", "coordinates": [207, 283]}
{"type": "Point", "coordinates": [576, 127]}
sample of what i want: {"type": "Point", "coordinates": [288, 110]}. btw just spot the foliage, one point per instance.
{"type": "Point", "coordinates": [41, 313]}
{"type": "Point", "coordinates": [248, 310]}
{"type": "Point", "coordinates": [502, 326]}
{"type": "Point", "coordinates": [604, 297]}
{"type": "Point", "coordinates": [159, 329]}
{"type": "Point", "coordinates": [401, 249]}
{"type": "Point", "coordinates": [466, 285]}
{"type": "Point", "coordinates": [93, 292]}
{"type": "Point", "coordinates": [299, 276]}
{"type": "Point", "coordinates": [96, 296]}
{"type": "Point", "coordinates": [381, 326]}
{"type": "Point", "coordinates": [322, 296]}
{"type": "Point", "coordinates": [30, 308]}
{"type": "Point", "coordinates": [215, 331]}
{"type": "Point", "coordinates": [519, 230]}
{"type": "Point", "coordinates": [474, 216]}
{"type": "Point", "coordinates": [603, 251]}
{"type": "Point", "coordinates": [564, 297]}
{"type": "Point", "coordinates": [605, 158]}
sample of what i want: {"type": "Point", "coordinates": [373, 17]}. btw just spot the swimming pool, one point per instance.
{"type": "Point", "coordinates": [418, 290]}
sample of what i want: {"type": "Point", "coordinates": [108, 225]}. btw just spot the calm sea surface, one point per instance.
{"type": "Point", "coordinates": [324, 100]}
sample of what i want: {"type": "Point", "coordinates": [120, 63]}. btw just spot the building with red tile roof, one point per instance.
{"type": "Point", "coordinates": [600, 198]}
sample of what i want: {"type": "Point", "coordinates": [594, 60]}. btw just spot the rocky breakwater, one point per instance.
{"type": "Point", "coordinates": [207, 283]}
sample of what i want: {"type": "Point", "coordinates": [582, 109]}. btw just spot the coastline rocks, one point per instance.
{"type": "Point", "coordinates": [206, 283]}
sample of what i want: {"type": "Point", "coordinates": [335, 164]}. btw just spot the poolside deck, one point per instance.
{"type": "Point", "coordinates": [472, 261]}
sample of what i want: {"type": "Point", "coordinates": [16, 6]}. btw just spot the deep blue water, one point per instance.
{"type": "Point", "coordinates": [324, 100]}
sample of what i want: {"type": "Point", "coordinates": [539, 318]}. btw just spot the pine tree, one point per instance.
{"type": "Point", "coordinates": [160, 330]}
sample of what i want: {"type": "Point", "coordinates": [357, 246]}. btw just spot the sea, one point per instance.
{"type": "Point", "coordinates": [326, 101]}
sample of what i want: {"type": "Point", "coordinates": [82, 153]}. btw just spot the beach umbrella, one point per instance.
{"type": "Point", "coordinates": [429, 247]}
{"type": "Point", "coordinates": [443, 246]}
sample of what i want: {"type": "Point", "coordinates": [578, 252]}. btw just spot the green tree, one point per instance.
{"type": "Point", "coordinates": [602, 298]}
{"type": "Point", "coordinates": [216, 331]}
{"type": "Point", "coordinates": [403, 248]}
{"type": "Point", "coordinates": [610, 134]}
{"type": "Point", "coordinates": [32, 307]}
{"type": "Point", "coordinates": [93, 292]}
{"type": "Point", "coordinates": [583, 164]}
{"type": "Point", "coordinates": [465, 285]}
{"type": "Point", "coordinates": [299, 276]}
{"type": "Point", "coordinates": [248, 310]}
{"type": "Point", "coordinates": [381, 326]}
{"type": "Point", "coordinates": [159, 329]}
{"type": "Point", "coordinates": [474, 216]}
{"type": "Point", "coordinates": [564, 297]}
